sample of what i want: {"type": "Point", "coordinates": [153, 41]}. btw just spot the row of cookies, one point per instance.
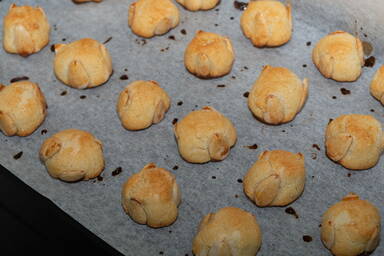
{"type": "Point", "coordinates": [265, 187]}
{"type": "Point", "coordinates": [275, 98]}
{"type": "Point", "coordinates": [339, 55]}
{"type": "Point", "coordinates": [276, 179]}
{"type": "Point", "coordinates": [350, 227]}
{"type": "Point", "coordinates": [87, 63]}
{"type": "Point", "coordinates": [355, 141]}
{"type": "Point", "coordinates": [152, 197]}
{"type": "Point", "coordinates": [267, 23]}
{"type": "Point", "coordinates": [191, 5]}
{"type": "Point", "coordinates": [26, 29]}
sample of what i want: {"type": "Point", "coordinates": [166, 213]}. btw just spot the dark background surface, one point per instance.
{"type": "Point", "coordinates": [30, 223]}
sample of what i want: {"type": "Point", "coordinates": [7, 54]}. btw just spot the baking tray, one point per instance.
{"type": "Point", "coordinates": [208, 187]}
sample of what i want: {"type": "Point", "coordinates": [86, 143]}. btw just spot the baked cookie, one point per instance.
{"type": "Point", "coordinates": [351, 227]}
{"type": "Point", "coordinates": [377, 85]}
{"type": "Point", "coordinates": [277, 95]}
{"type": "Point", "coordinates": [73, 155]}
{"type": "Point", "coordinates": [267, 23]}
{"type": "Point", "coordinates": [209, 55]}
{"type": "Point", "coordinates": [339, 56]}
{"type": "Point", "coordinates": [82, 64]}
{"type": "Point", "coordinates": [84, 1]}
{"type": "Point", "coordinates": [205, 135]}
{"type": "Point", "coordinates": [354, 141]}
{"type": "Point", "coordinates": [22, 108]}
{"type": "Point", "coordinates": [230, 231]}
{"type": "Point", "coordinates": [196, 5]}
{"type": "Point", "coordinates": [141, 104]}
{"type": "Point", "coordinates": [148, 18]}
{"type": "Point", "coordinates": [152, 196]}
{"type": "Point", "coordinates": [25, 30]}
{"type": "Point", "coordinates": [277, 178]}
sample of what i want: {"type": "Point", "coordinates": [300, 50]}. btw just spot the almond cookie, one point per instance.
{"type": "Point", "coordinates": [351, 227]}
{"type": "Point", "coordinates": [209, 55]}
{"type": "Point", "coordinates": [267, 23]}
{"type": "Point", "coordinates": [22, 108]}
{"type": "Point", "coordinates": [277, 95]}
{"type": "Point", "coordinates": [25, 30]}
{"type": "Point", "coordinates": [82, 64]}
{"type": "Point", "coordinates": [230, 231]}
{"type": "Point", "coordinates": [205, 135]}
{"type": "Point", "coordinates": [277, 178]}
{"type": "Point", "coordinates": [148, 18]}
{"type": "Point", "coordinates": [152, 196]}
{"type": "Point", "coordinates": [72, 155]}
{"type": "Point", "coordinates": [141, 104]}
{"type": "Point", "coordinates": [196, 5]}
{"type": "Point", "coordinates": [354, 141]}
{"type": "Point", "coordinates": [377, 85]}
{"type": "Point", "coordinates": [84, 1]}
{"type": "Point", "coordinates": [339, 56]}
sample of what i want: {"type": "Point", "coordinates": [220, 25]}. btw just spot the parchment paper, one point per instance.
{"type": "Point", "coordinates": [96, 204]}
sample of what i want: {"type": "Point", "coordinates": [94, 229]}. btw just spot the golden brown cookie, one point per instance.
{"type": "Point", "coordinates": [277, 178]}
{"type": "Point", "coordinates": [267, 23]}
{"type": "Point", "coordinates": [141, 104]}
{"type": "Point", "coordinates": [354, 141]}
{"type": "Point", "coordinates": [151, 197]}
{"type": "Point", "coordinates": [351, 227]}
{"type": "Point", "coordinates": [25, 30]}
{"type": "Point", "coordinates": [377, 85]}
{"type": "Point", "coordinates": [148, 18]}
{"type": "Point", "coordinates": [209, 55]}
{"type": "Point", "coordinates": [82, 64]}
{"type": "Point", "coordinates": [196, 5]}
{"type": "Point", "coordinates": [339, 56]}
{"type": "Point", "coordinates": [230, 231]}
{"type": "Point", "coordinates": [84, 1]}
{"type": "Point", "coordinates": [22, 108]}
{"type": "Point", "coordinates": [205, 135]}
{"type": "Point", "coordinates": [277, 95]}
{"type": "Point", "coordinates": [72, 155]}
